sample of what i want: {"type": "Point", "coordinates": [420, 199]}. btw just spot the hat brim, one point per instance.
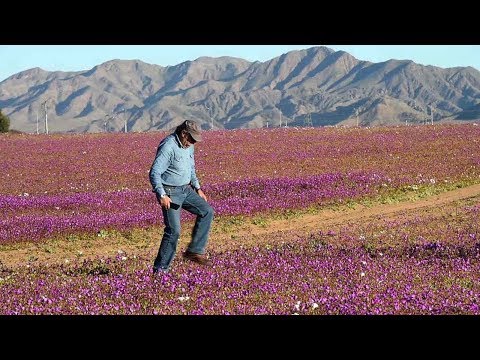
{"type": "Point", "coordinates": [196, 137]}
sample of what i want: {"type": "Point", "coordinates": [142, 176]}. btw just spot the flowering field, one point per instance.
{"type": "Point", "coordinates": [61, 184]}
{"type": "Point", "coordinates": [422, 262]}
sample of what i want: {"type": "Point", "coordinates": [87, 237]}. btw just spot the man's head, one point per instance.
{"type": "Point", "coordinates": [189, 132]}
{"type": "Point", "coordinates": [193, 129]}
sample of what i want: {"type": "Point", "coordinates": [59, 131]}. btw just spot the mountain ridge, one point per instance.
{"type": "Point", "coordinates": [317, 86]}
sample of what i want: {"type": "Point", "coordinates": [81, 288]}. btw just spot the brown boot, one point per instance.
{"type": "Point", "coordinates": [198, 258]}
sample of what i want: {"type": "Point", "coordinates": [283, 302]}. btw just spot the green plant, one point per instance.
{"type": "Point", "coordinates": [235, 220]}
{"type": "Point", "coordinates": [72, 237]}
{"type": "Point", "coordinates": [260, 221]}
{"type": "Point", "coordinates": [102, 233]}
{"type": "Point", "coordinates": [465, 283]}
{"type": "Point", "coordinates": [370, 248]}
{"type": "Point", "coordinates": [4, 123]}
{"type": "Point", "coordinates": [32, 258]}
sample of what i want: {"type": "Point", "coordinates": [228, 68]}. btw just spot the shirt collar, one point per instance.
{"type": "Point", "coordinates": [178, 141]}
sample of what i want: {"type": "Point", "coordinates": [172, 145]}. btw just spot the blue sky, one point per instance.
{"type": "Point", "coordinates": [16, 58]}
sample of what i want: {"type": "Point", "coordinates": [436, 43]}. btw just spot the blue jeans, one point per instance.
{"type": "Point", "coordinates": [189, 200]}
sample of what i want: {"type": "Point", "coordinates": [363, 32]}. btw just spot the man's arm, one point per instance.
{"type": "Point", "coordinates": [194, 180]}
{"type": "Point", "coordinates": [159, 166]}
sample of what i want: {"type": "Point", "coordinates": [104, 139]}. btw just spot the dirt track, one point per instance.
{"type": "Point", "coordinates": [328, 218]}
{"type": "Point", "coordinates": [145, 243]}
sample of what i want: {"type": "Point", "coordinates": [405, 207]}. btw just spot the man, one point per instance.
{"type": "Point", "coordinates": [176, 186]}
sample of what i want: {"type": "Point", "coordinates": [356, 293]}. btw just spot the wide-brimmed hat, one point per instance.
{"type": "Point", "coordinates": [193, 129]}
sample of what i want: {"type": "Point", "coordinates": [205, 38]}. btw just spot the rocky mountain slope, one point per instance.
{"type": "Point", "coordinates": [316, 86]}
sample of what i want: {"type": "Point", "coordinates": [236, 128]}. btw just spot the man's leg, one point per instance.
{"type": "Point", "coordinates": [171, 234]}
{"type": "Point", "coordinates": [198, 206]}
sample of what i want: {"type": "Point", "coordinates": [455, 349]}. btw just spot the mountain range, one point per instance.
{"type": "Point", "coordinates": [312, 87]}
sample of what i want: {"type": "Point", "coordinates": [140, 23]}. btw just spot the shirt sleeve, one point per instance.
{"type": "Point", "coordinates": [194, 180]}
{"type": "Point", "coordinates": [159, 166]}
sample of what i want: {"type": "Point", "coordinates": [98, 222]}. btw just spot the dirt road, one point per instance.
{"type": "Point", "coordinates": [145, 242]}
{"type": "Point", "coordinates": [328, 218]}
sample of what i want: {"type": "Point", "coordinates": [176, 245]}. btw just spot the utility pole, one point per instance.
{"type": "Point", "coordinates": [211, 119]}
{"type": "Point", "coordinates": [110, 117]}
{"type": "Point", "coordinates": [431, 113]}
{"type": "Point", "coordinates": [425, 116]}
{"type": "Point", "coordinates": [414, 106]}
{"type": "Point", "coordinates": [125, 120]}
{"type": "Point", "coordinates": [46, 116]}
{"type": "Point", "coordinates": [280, 119]}
{"type": "Point", "coordinates": [105, 123]}
{"type": "Point", "coordinates": [37, 121]}
{"type": "Point", "coordinates": [308, 120]}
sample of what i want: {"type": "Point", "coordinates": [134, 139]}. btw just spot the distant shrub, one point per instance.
{"type": "Point", "coordinates": [16, 132]}
{"type": "Point", "coordinates": [4, 123]}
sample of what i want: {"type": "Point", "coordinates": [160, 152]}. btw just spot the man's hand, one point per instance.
{"type": "Point", "coordinates": [164, 201]}
{"type": "Point", "coordinates": [202, 194]}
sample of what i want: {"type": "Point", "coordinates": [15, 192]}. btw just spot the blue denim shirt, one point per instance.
{"type": "Point", "coordinates": [173, 165]}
